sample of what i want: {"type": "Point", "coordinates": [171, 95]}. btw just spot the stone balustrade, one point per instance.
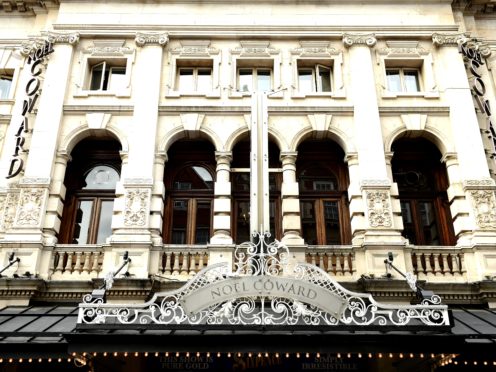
{"type": "Point", "coordinates": [337, 261]}
{"type": "Point", "coordinates": [431, 263]}
{"type": "Point", "coordinates": [76, 261]}
{"type": "Point", "coordinates": [183, 261]}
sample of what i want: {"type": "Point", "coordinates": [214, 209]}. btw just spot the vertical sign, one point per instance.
{"type": "Point", "coordinates": [32, 90]}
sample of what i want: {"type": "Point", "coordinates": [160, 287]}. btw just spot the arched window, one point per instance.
{"type": "Point", "coordinates": [189, 180]}
{"type": "Point", "coordinates": [240, 179]}
{"type": "Point", "coordinates": [90, 180]}
{"type": "Point", "coordinates": [422, 184]}
{"type": "Point", "coordinates": [323, 182]}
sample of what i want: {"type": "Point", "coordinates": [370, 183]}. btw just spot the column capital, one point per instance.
{"type": "Point", "coordinates": [359, 39]}
{"type": "Point", "coordinates": [223, 156]}
{"type": "Point", "coordinates": [448, 39]}
{"type": "Point", "coordinates": [151, 38]}
{"type": "Point", "coordinates": [288, 156]}
{"type": "Point", "coordinates": [450, 158]}
{"type": "Point", "coordinates": [71, 38]}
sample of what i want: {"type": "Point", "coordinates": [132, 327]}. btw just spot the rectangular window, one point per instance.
{"type": "Point", "coordinates": [314, 79]}
{"type": "Point", "coordinates": [403, 80]}
{"type": "Point", "coordinates": [194, 79]}
{"type": "Point", "coordinates": [5, 84]}
{"type": "Point", "coordinates": [108, 75]}
{"type": "Point", "coordinates": [254, 79]}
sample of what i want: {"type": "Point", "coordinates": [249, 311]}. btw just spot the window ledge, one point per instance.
{"type": "Point", "coordinates": [391, 95]}
{"type": "Point", "coordinates": [179, 94]}
{"type": "Point", "coordinates": [7, 101]}
{"type": "Point", "coordinates": [124, 93]}
{"type": "Point", "coordinates": [271, 94]}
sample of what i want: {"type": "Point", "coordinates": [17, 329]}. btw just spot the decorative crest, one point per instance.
{"type": "Point", "coordinates": [264, 290]}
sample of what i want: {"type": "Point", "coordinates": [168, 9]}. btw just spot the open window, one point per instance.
{"type": "Point", "coordinates": [314, 78]}
{"type": "Point", "coordinates": [108, 75]}
{"type": "Point", "coordinates": [91, 179]}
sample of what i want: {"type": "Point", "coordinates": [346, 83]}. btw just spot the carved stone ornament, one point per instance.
{"type": "Point", "coordinates": [403, 49]}
{"type": "Point", "coordinates": [30, 207]}
{"type": "Point", "coordinates": [71, 38]}
{"type": "Point", "coordinates": [109, 48]}
{"type": "Point", "coordinates": [359, 39]}
{"type": "Point", "coordinates": [484, 204]}
{"type": "Point", "coordinates": [379, 209]}
{"type": "Point", "coordinates": [314, 49]}
{"type": "Point", "coordinates": [257, 48]}
{"type": "Point", "coordinates": [29, 46]}
{"type": "Point", "coordinates": [136, 207]}
{"type": "Point", "coordinates": [8, 211]}
{"type": "Point", "coordinates": [35, 181]}
{"type": "Point", "coordinates": [448, 39]}
{"type": "Point", "coordinates": [195, 48]}
{"type": "Point", "coordinates": [143, 39]}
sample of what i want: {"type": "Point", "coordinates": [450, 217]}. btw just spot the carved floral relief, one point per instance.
{"type": "Point", "coordinates": [484, 207]}
{"type": "Point", "coordinates": [379, 209]}
{"type": "Point", "coordinates": [136, 211]}
{"type": "Point", "coordinates": [30, 207]}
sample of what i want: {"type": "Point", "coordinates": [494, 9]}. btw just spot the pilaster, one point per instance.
{"type": "Point", "coordinates": [222, 201]}
{"type": "Point", "coordinates": [370, 199]}
{"type": "Point", "coordinates": [291, 222]}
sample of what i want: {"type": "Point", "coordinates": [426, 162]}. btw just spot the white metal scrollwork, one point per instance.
{"type": "Point", "coordinates": [263, 290]}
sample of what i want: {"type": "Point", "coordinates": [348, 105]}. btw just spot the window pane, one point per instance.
{"type": "Point", "coordinates": [5, 84]}
{"type": "Point", "coordinates": [203, 213]}
{"type": "Point", "coordinates": [204, 79]}
{"type": "Point", "coordinates": [317, 179]}
{"type": "Point", "coordinates": [242, 222]}
{"type": "Point", "coordinates": [105, 221]}
{"type": "Point", "coordinates": [331, 220]}
{"type": "Point", "coordinates": [429, 225]}
{"type": "Point", "coordinates": [263, 80]}
{"type": "Point", "coordinates": [193, 178]}
{"type": "Point", "coordinates": [324, 79]}
{"type": "Point", "coordinates": [96, 77]}
{"type": "Point", "coordinates": [101, 178]}
{"type": "Point", "coordinates": [408, 229]}
{"type": "Point", "coordinates": [179, 221]}
{"type": "Point", "coordinates": [241, 181]}
{"type": "Point", "coordinates": [83, 219]}
{"type": "Point", "coordinates": [308, 225]}
{"type": "Point", "coordinates": [245, 80]}
{"type": "Point", "coordinates": [305, 83]}
{"type": "Point", "coordinates": [411, 81]}
{"type": "Point", "coordinates": [117, 78]}
{"type": "Point", "coordinates": [393, 80]}
{"type": "Point", "coordinates": [186, 79]}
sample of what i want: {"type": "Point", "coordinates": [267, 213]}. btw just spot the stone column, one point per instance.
{"type": "Point", "coordinates": [291, 222]}
{"type": "Point", "coordinates": [374, 182]}
{"type": "Point", "coordinates": [222, 202]}
{"type": "Point", "coordinates": [133, 225]}
{"type": "Point", "coordinates": [479, 214]}
{"type": "Point", "coordinates": [370, 186]}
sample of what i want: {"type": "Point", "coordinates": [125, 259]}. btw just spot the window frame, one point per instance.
{"type": "Point", "coordinates": [13, 74]}
{"type": "Point", "coordinates": [402, 81]}
{"type": "Point", "coordinates": [195, 74]}
{"type": "Point", "coordinates": [316, 81]}
{"type": "Point", "coordinates": [110, 52]}
{"type": "Point", "coordinates": [192, 53]}
{"type": "Point", "coordinates": [255, 73]}
{"type": "Point", "coordinates": [7, 77]}
{"type": "Point", "coordinates": [407, 54]}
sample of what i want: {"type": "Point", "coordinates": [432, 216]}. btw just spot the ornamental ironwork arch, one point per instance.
{"type": "Point", "coordinates": [264, 290]}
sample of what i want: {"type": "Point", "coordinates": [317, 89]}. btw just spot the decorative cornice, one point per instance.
{"type": "Point", "coordinates": [71, 38]}
{"type": "Point", "coordinates": [359, 39]}
{"type": "Point", "coordinates": [314, 49]}
{"type": "Point", "coordinates": [451, 39]}
{"type": "Point", "coordinates": [150, 38]}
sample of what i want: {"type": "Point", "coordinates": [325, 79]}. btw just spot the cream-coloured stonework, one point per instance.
{"type": "Point", "coordinates": [484, 204]}
{"type": "Point", "coordinates": [379, 208]}
{"type": "Point", "coordinates": [137, 207]}
{"type": "Point", "coordinates": [30, 207]}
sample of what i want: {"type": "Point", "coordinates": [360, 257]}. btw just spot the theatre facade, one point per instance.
{"type": "Point", "coordinates": [256, 185]}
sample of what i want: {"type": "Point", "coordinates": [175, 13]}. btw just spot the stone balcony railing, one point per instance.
{"type": "Point", "coordinates": [76, 262]}
{"type": "Point", "coordinates": [182, 260]}
{"type": "Point", "coordinates": [435, 263]}
{"type": "Point", "coordinates": [338, 261]}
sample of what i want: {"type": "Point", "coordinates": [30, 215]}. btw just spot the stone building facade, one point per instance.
{"type": "Point", "coordinates": [132, 134]}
